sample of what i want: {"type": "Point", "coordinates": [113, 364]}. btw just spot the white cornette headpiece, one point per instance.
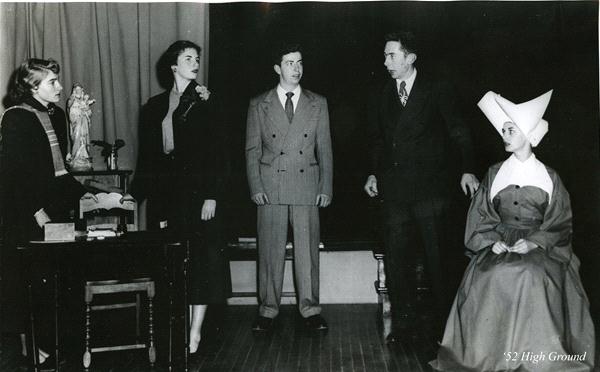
{"type": "Point", "coordinates": [527, 115]}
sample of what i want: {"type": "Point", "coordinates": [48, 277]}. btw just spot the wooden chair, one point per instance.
{"type": "Point", "coordinates": [382, 290]}
{"type": "Point", "coordinates": [126, 214]}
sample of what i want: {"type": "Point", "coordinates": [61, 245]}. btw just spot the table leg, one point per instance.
{"type": "Point", "coordinates": [185, 305]}
{"type": "Point", "coordinates": [34, 346]}
{"type": "Point", "coordinates": [169, 275]}
{"type": "Point", "coordinates": [56, 311]}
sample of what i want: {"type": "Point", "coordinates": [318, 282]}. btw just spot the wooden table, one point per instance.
{"type": "Point", "coordinates": [62, 256]}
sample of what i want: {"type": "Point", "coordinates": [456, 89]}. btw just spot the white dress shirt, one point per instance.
{"type": "Point", "coordinates": [409, 82]}
{"type": "Point", "coordinates": [282, 97]}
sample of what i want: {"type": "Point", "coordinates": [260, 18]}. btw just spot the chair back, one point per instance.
{"type": "Point", "coordinates": [109, 212]}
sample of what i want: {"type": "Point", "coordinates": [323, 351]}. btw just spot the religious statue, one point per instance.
{"type": "Point", "coordinates": [78, 108]}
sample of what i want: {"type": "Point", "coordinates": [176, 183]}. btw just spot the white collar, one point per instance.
{"type": "Point", "coordinates": [282, 97]}
{"type": "Point", "coordinates": [410, 81]}
{"type": "Point", "coordinates": [530, 172]}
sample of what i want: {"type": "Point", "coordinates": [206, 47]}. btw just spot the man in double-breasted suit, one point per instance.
{"type": "Point", "coordinates": [414, 124]}
{"type": "Point", "coordinates": [290, 168]}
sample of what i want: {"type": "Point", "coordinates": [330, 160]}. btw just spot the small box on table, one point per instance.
{"type": "Point", "coordinates": [59, 231]}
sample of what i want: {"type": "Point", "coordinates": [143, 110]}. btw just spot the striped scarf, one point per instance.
{"type": "Point", "coordinates": [44, 118]}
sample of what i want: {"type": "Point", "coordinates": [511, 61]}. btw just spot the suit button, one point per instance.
{"type": "Point", "coordinates": [281, 153]}
{"type": "Point", "coordinates": [301, 170]}
{"type": "Point", "coordinates": [274, 136]}
{"type": "Point", "coordinates": [305, 135]}
{"type": "Point", "coordinates": [517, 218]}
{"type": "Point", "coordinates": [395, 164]}
{"type": "Point", "coordinates": [516, 203]}
{"type": "Point", "coordinates": [394, 144]}
{"type": "Point", "coordinates": [300, 152]}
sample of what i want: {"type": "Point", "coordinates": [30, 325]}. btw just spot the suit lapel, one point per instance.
{"type": "Point", "coordinates": [399, 116]}
{"type": "Point", "coordinates": [276, 117]}
{"type": "Point", "coordinates": [302, 114]}
{"type": "Point", "coordinates": [416, 100]}
{"type": "Point", "coordinates": [163, 106]}
{"type": "Point", "coordinates": [303, 109]}
{"type": "Point", "coordinates": [158, 112]}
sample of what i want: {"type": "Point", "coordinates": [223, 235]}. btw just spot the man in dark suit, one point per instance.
{"type": "Point", "coordinates": [290, 169]}
{"type": "Point", "coordinates": [413, 124]}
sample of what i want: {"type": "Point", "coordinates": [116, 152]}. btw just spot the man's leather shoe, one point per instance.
{"type": "Point", "coordinates": [262, 323]}
{"type": "Point", "coordinates": [316, 322]}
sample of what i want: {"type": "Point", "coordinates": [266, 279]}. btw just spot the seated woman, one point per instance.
{"type": "Point", "coordinates": [36, 187]}
{"type": "Point", "coordinates": [521, 305]}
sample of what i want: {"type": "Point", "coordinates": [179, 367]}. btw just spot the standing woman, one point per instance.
{"type": "Point", "coordinates": [36, 187]}
{"type": "Point", "coordinates": [181, 167]}
{"type": "Point", "coordinates": [521, 305]}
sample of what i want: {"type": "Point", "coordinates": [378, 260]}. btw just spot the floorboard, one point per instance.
{"type": "Point", "coordinates": [353, 343]}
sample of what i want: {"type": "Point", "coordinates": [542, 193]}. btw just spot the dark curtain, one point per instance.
{"type": "Point", "coordinates": [518, 49]}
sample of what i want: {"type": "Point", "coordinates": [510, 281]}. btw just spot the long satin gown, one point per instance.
{"type": "Point", "coordinates": [519, 312]}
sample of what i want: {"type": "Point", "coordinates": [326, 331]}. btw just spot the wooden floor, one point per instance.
{"type": "Point", "coordinates": [354, 342]}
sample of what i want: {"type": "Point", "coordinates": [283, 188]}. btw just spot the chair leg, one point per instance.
{"type": "Point", "coordinates": [137, 317]}
{"type": "Point", "coordinates": [87, 355]}
{"type": "Point", "coordinates": [151, 348]}
{"type": "Point", "coordinates": [386, 314]}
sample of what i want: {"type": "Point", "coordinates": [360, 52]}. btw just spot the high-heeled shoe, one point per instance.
{"type": "Point", "coordinates": [194, 358]}
{"type": "Point", "coordinates": [194, 340]}
{"type": "Point", "coordinates": [48, 365]}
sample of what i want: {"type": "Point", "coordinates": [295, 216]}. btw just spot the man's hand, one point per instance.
{"type": "Point", "coordinates": [371, 186]}
{"type": "Point", "coordinates": [41, 217]}
{"type": "Point", "coordinates": [500, 247]}
{"type": "Point", "coordinates": [260, 198]}
{"type": "Point", "coordinates": [523, 246]}
{"type": "Point", "coordinates": [469, 184]}
{"type": "Point", "coordinates": [208, 209]}
{"type": "Point", "coordinates": [323, 200]}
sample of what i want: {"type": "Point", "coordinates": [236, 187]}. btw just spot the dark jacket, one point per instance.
{"type": "Point", "coordinates": [27, 172]}
{"type": "Point", "coordinates": [27, 184]}
{"type": "Point", "coordinates": [411, 146]}
{"type": "Point", "coordinates": [191, 173]}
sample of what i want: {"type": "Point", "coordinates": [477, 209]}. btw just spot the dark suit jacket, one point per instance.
{"type": "Point", "coordinates": [290, 163]}
{"type": "Point", "coordinates": [410, 146]}
{"type": "Point", "coordinates": [27, 173]}
{"type": "Point", "coordinates": [195, 170]}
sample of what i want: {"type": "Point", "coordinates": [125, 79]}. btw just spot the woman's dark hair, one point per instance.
{"type": "Point", "coordinates": [28, 76]}
{"type": "Point", "coordinates": [169, 58]}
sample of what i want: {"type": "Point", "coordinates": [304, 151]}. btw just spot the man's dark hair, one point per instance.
{"type": "Point", "coordinates": [283, 49]}
{"type": "Point", "coordinates": [406, 39]}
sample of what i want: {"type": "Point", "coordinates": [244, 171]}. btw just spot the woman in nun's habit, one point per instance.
{"type": "Point", "coordinates": [521, 305]}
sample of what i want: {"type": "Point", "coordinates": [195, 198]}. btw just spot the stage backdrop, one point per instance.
{"type": "Point", "coordinates": [110, 48]}
{"type": "Point", "coordinates": [518, 49]}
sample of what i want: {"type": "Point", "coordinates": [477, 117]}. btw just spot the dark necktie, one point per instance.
{"type": "Point", "coordinates": [402, 94]}
{"type": "Point", "coordinates": [289, 106]}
